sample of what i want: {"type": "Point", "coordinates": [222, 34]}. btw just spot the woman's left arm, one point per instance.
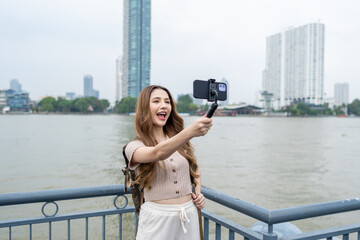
{"type": "Point", "coordinates": [198, 197]}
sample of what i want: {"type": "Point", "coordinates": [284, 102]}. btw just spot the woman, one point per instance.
{"type": "Point", "coordinates": [166, 168]}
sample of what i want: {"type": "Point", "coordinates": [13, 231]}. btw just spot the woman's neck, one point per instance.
{"type": "Point", "coordinates": [159, 134]}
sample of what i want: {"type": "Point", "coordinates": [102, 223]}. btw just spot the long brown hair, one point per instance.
{"type": "Point", "coordinates": [145, 127]}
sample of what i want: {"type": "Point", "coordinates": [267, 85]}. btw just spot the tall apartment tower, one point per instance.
{"type": "Point", "coordinates": [88, 86]}
{"type": "Point", "coordinates": [118, 83]}
{"type": "Point", "coordinates": [137, 47]}
{"type": "Point", "coordinates": [294, 68]}
{"type": "Point", "coordinates": [341, 93]}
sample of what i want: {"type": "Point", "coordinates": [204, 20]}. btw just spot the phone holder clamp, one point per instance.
{"type": "Point", "coordinates": [213, 96]}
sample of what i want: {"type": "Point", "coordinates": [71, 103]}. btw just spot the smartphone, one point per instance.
{"type": "Point", "coordinates": [201, 89]}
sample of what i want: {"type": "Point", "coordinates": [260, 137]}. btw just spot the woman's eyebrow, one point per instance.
{"type": "Point", "coordinates": [160, 98]}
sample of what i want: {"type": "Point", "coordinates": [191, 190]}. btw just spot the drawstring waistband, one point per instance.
{"type": "Point", "coordinates": [183, 218]}
{"type": "Point", "coordinates": [175, 210]}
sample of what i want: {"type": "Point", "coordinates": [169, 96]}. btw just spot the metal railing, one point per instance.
{"type": "Point", "coordinates": [270, 217]}
{"type": "Point", "coordinates": [50, 196]}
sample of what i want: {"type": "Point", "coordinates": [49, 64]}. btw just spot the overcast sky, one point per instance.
{"type": "Point", "coordinates": [50, 45]}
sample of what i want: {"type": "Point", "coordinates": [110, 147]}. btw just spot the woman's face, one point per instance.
{"type": "Point", "coordinates": [160, 107]}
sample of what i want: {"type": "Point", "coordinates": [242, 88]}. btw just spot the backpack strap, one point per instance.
{"type": "Point", "coordinates": [126, 159]}
{"type": "Point", "coordinates": [136, 191]}
{"type": "Point", "coordinates": [126, 170]}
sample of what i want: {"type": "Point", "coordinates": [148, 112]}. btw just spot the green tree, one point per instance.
{"type": "Point", "coordinates": [80, 105]}
{"type": "Point", "coordinates": [94, 103]}
{"type": "Point", "coordinates": [185, 104]}
{"type": "Point", "coordinates": [339, 110]}
{"type": "Point", "coordinates": [193, 107]}
{"type": "Point", "coordinates": [63, 105]}
{"type": "Point", "coordinates": [327, 110]}
{"type": "Point", "coordinates": [354, 107]}
{"type": "Point", "coordinates": [104, 104]}
{"type": "Point", "coordinates": [47, 104]}
{"type": "Point", "coordinates": [126, 105]}
{"type": "Point", "coordinates": [305, 109]}
{"type": "Point", "coordinates": [293, 111]}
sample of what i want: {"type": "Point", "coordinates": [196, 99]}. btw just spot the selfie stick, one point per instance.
{"type": "Point", "coordinates": [213, 108]}
{"type": "Point", "coordinates": [213, 95]}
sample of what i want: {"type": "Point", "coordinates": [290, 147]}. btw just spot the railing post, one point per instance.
{"type": "Point", "coordinates": [50, 230]}
{"type": "Point", "coordinates": [206, 228]}
{"type": "Point", "coordinates": [270, 235]}
{"type": "Point", "coordinates": [68, 229]}
{"type": "Point", "coordinates": [103, 230]}
{"type": "Point", "coordinates": [231, 235]}
{"type": "Point", "coordinates": [87, 229]}
{"type": "Point", "coordinates": [136, 223]}
{"type": "Point", "coordinates": [120, 226]}
{"type": "Point", "coordinates": [218, 231]}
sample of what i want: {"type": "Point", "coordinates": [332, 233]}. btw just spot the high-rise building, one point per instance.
{"type": "Point", "coordinates": [341, 93]}
{"type": "Point", "coordinates": [272, 73]}
{"type": "Point", "coordinates": [70, 95]}
{"type": "Point", "coordinates": [15, 85]}
{"type": "Point", "coordinates": [88, 86]}
{"type": "Point", "coordinates": [136, 47]}
{"type": "Point", "coordinates": [96, 93]}
{"type": "Point", "coordinates": [295, 65]}
{"type": "Point", "coordinates": [118, 83]}
{"type": "Point", "coordinates": [89, 91]}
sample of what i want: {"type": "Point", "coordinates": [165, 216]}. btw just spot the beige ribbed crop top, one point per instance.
{"type": "Point", "coordinates": [171, 180]}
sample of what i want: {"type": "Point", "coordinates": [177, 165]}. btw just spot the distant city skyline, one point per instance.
{"type": "Point", "coordinates": [49, 48]}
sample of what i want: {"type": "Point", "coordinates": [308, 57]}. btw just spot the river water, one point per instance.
{"type": "Point", "coordinates": [270, 162]}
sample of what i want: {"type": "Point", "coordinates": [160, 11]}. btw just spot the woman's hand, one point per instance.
{"type": "Point", "coordinates": [201, 126]}
{"type": "Point", "coordinates": [199, 200]}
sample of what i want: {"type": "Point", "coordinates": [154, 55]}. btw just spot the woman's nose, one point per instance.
{"type": "Point", "coordinates": [163, 105]}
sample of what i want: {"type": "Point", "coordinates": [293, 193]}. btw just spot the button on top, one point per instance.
{"type": "Point", "coordinates": [174, 170]}
{"type": "Point", "coordinates": [171, 159]}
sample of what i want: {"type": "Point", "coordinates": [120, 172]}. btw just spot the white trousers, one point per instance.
{"type": "Point", "coordinates": [168, 222]}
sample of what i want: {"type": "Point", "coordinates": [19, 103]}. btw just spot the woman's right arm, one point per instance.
{"type": "Point", "coordinates": [166, 148]}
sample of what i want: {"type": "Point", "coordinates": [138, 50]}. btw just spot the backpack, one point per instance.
{"type": "Point", "coordinates": [137, 193]}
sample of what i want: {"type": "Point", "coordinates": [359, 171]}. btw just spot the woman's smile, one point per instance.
{"type": "Point", "coordinates": [161, 116]}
